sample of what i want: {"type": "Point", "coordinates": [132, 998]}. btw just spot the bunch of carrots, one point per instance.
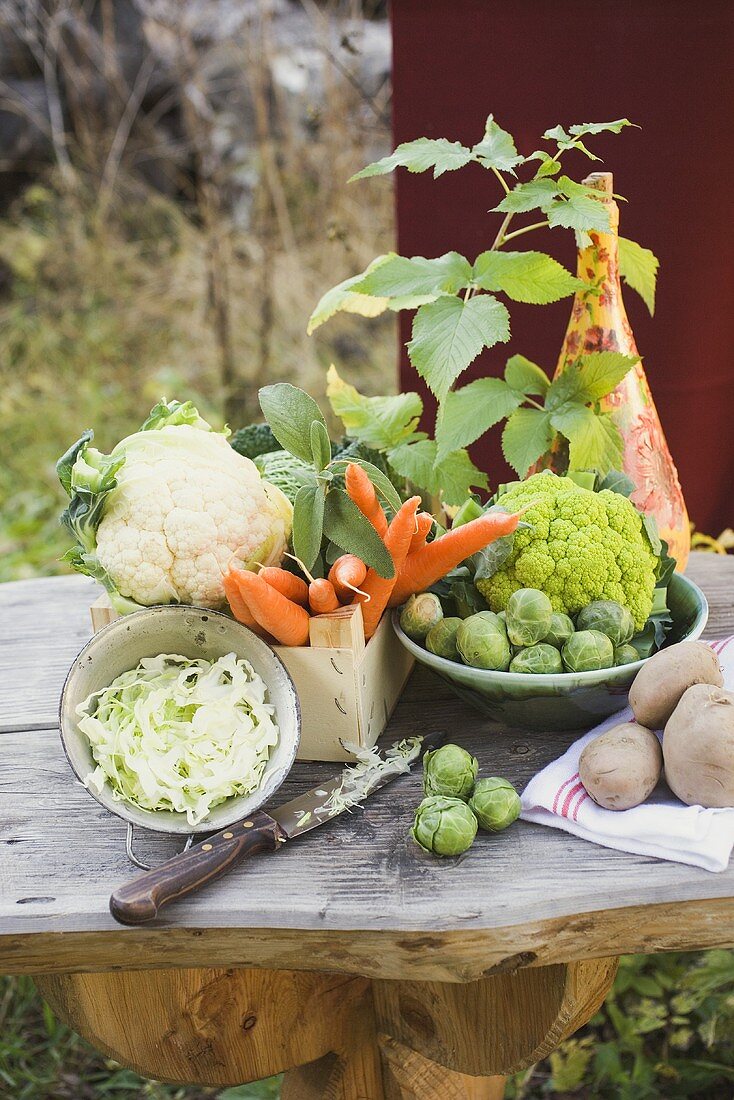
{"type": "Point", "coordinates": [279, 603]}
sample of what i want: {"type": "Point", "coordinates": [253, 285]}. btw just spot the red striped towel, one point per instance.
{"type": "Point", "coordinates": [663, 827]}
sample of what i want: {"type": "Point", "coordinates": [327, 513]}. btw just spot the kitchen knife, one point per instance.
{"type": "Point", "coordinates": [140, 899]}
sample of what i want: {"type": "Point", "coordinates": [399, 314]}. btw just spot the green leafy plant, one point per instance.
{"type": "Point", "coordinates": [322, 509]}
{"type": "Point", "coordinates": [458, 314]}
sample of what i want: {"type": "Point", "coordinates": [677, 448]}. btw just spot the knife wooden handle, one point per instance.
{"type": "Point", "coordinates": [140, 899]}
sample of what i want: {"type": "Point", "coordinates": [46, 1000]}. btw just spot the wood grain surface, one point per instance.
{"type": "Point", "coordinates": [355, 895]}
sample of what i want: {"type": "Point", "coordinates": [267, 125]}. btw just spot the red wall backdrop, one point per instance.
{"type": "Point", "coordinates": [667, 65]}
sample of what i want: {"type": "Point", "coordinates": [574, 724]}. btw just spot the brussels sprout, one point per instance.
{"type": "Point", "coordinates": [529, 614]}
{"type": "Point", "coordinates": [444, 826]}
{"type": "Point", "coordinates": [419, 614]}
{"type": "Point", "coordinates": [625, 655]}
{"type": "Point", "coordinates": [561, 629]}
{"type": "Point", "coordinates": [495, 803]}
{"type": "Point", "coordinates": [610, 618]}
{"type": "Point", "coordinates": [537, 659]}
{"type": "Point", "coordinates": [482, 641]}
{"type": "Point", "coordinates": [587, 650]}
{"type": "Point", "coordinates": [441, 638]}
{"type": "Point", "coordinates": [449, 771]}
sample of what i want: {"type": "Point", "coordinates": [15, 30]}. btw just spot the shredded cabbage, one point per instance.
{"type": "Point", "coordinates": [180, 734]}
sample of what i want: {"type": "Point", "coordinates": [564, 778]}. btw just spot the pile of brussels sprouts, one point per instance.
{"type": "Point", "coordinates": [528, 636]}
{"type": "Point", "coordinates": [457, 803]}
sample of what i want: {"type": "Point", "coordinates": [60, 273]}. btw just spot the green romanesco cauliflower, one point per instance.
{"type": "Point", "coordinates": [582, 546]}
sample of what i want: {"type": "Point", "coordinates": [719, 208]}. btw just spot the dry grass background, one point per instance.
{"type": "Point", "coordinates": [112, 293]}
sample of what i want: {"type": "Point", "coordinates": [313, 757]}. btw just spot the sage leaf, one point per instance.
{"type": "Point", "coordinates": [308, 523]}
{"type": "Point", "coordinates": [383, 486]}
{"type": "Point", "coordinates": [468, 413]}
{"type": "Point", "coordinates": [320, 445]}
{"type": "Point", "coordinates": [449, 333]}
{"type": "Point", "coordinates": [345, 525]}
{"type": "Point", "coordinates": [525, 276]}
{"type": "Point", "coordinates": [290, 412]}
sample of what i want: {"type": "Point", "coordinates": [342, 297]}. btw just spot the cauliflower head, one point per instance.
{"type": "Point", "coordinates": [582, 546]}
{"type": "Point", "coordinates": [160, 519]}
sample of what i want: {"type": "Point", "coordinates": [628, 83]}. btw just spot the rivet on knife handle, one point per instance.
{"type": "Point", "coordinates": [140, 899]}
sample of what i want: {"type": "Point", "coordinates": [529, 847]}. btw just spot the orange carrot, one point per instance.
{"type": "Point", "coordinates": [347, 574]}
{"type": "Point", "coordinates": [288, 584]}
{"type": "Point", "coordinates": [437, 558]}
{"type": "Point", "coordinates": [362, 492]}
{"type": "Point", "coordinates": [424, 522]}
{"type": "Point", "coordinates": [321, 596]}
{"type": "Point", "coordinates": [285, 620]}
{"type": "Point", "coordinates": [237, 604]}
{"type": "Point", "coordinates": [376, 590]}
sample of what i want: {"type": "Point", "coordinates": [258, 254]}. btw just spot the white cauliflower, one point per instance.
{"type": "Point", "coordinates": [168, 511]}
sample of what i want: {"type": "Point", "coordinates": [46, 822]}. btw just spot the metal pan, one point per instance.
{"type": "Point", "coordinates": [196, 633]}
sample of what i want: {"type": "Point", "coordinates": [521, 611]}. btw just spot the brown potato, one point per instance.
{"type": "Point", "coordinates": [698, 747]}
{"type": "Point", "coordinates": [621, 767]}
{"type": "Point", "coordinates": [660, 683]}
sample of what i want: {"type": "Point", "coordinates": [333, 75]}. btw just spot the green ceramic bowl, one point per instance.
{"type": "Point", "coordinates": [566, 700]}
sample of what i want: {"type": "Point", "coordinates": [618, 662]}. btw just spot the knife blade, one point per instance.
{"type": "Point", "coordinates": [141, 899]}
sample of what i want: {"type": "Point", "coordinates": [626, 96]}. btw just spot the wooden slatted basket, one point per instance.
{"type": "Point", "coordinates": [347, 689]}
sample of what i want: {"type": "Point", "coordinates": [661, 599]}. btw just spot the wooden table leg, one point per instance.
{"type": "Point", "coordinates": [497, 1025]}
{"type": "Point", "coordinates": [337, 1037]}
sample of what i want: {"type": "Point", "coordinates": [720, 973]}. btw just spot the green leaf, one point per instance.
{"type": "Point", "coordinates": [579, 210]}
{"type": "Point", "coordinates": [455, 475]}
{"type": "Point", "coordinates": [449, 334]}
{"type": "Point", "coordinates": [638, 267]}
{"type": "Point", "coordinates": [308, 523]}
{"type": "Point", "coordinates": [525, 276]}
{"type": "Point", "coordinates": [595, 442]}
{"type": "Point", "coordinates": [533, 195]}
{"type": "Point", "coordinates": [383, 486]}
{"type": "Point", "coordinates": [440, 154]}
{"type": "Point", "coordinates": [497, 148]}
{"type": "Point", "coordinates": [290, 412]}
{"type": "Point", "coordinates": [417, 276]}
{"type": "Point", "coordinates": [616, 481]}
{"type": "Point", "coordinates": [345, 525]}
{"type": "Point", "coordinates": [343, 299]}
{"type": "Point", "coordinates": [589, 378]}
{"type": "Point", "coordinates": [67, 460]}
{"type": "Point", "coordinates": [527, 436]}
{"type": "Point", "coordinates": [526, 377]}
{"type": "Point", "coordinates": [583, 128]}
{"type": "Point", "coordinates": [320, 445]}
{"type": "Point", "coordinates": [379, 422]}
{"type": "Point", "coordinates": [468, 413]}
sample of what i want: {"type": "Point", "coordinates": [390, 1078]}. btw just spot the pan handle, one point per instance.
{"type": "Point", "coordinates": [130, 851]}
{"type": "Point", "coordinates": [139, 901]}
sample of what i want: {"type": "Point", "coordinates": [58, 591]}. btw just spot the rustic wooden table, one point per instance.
{"type": "Point", "coordinates": [352, 961]}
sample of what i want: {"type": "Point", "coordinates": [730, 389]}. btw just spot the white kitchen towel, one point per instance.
{"type": "Point", "coordinates": [663, 827]}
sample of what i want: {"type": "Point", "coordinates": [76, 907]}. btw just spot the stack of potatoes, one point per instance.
{"type": "Point", "coordinates": [679, 690]}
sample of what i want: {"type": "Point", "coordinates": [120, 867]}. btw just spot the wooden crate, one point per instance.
{"type": "Point", "coordinates": [347, 689]}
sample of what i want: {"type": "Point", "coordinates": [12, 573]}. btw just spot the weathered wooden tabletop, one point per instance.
{"type": "Point", "coordinates": [355, 895]}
